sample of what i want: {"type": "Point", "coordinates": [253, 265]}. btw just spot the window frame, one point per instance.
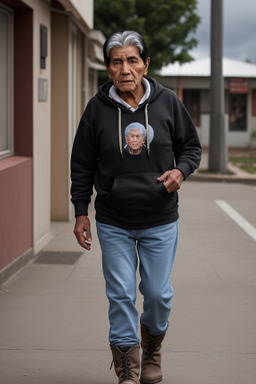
{"type": "Point", "coordinates": [9, 150]}
{"type": "Point", "coordinates": [254, 102]}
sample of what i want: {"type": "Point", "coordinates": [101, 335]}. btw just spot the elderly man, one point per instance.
{"type": "Point", "coordinates": [136, 203]}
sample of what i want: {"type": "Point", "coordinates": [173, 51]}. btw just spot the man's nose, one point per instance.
{"type": "Point", "coordinates": [125, 67]}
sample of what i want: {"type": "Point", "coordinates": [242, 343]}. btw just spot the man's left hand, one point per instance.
{"type": "Point", "coordinates": [172, 180]}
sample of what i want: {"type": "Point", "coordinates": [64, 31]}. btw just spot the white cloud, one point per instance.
{"type": "Point", "coordinates": [239, 30]}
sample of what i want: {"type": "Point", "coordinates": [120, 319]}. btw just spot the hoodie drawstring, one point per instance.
{"type": "Point", "coordinates": [120, 132]}
{"type": "Point", "coordinates": [148, 138]}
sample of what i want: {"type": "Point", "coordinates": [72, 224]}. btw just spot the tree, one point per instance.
{"type": "Point", "coordinates": [166, 26]}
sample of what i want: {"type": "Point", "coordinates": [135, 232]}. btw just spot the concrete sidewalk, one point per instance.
{"type": "Point", "coordinates": [54, 326]}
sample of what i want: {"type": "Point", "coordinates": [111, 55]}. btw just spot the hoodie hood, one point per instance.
{"type": "Point", "coordinates": [155, 90]}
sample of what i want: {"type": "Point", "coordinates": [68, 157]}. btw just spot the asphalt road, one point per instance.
{"type": "Point", "coordinates": [54, 325]}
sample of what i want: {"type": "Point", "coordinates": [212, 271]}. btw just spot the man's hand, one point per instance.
{"type": "Point", "coordinates": [82, 231]}
{"type": "Point", "coordinates": [172, 180]}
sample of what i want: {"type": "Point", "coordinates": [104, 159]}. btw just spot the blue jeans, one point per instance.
{"type": "Point", "coordinates": [155, 249]}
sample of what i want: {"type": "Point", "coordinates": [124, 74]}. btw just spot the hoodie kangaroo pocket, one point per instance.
{"type": "Point", "coordinates": [139, 194]}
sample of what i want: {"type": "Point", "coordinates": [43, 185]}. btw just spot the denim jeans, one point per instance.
{"type": "Point", "coordinates": [155, 250]}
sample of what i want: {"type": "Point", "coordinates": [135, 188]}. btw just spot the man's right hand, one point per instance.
{"type": "Point", "coordinates": [82, 231]}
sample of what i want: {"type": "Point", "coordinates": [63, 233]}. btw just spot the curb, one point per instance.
{"type": "Point", "coordinates": [222, 179]}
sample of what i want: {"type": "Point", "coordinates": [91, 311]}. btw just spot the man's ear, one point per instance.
{"type": "Point", "coordinates": [146, 66]}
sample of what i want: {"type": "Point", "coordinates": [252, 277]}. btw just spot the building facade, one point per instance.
{"type": "Point", "coordinates": [49, 60]}
{"type": "Point", "coordinates": [191, 81]}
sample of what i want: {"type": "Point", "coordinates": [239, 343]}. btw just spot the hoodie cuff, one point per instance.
{"type": "Point", "coordinates": [185, 169]}
{"type": "Point", "coordinates": [81, 208]}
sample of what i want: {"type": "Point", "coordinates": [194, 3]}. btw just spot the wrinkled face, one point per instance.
{"type": "Point", "coordinates": [126, 69]}
{"type": "Point", "coordinates": [135, 141]}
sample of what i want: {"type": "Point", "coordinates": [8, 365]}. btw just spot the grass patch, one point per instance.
{"type": "Point", "coordinates": [206, 171]}
{"type": "Point", "coordinates": [246, 163]}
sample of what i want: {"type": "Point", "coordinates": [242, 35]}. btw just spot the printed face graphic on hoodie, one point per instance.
{"type": "Point", "coordinates": [135, 141]}
{"type": "Point", "coordinates": [135, 137]}
{"type": "Point", "coordinates": [126, 70]}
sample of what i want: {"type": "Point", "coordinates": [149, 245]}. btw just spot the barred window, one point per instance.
{"type": "Point", "coordinates": [237, 112]}
{"type": "Point", "coordinates": [191, 99]}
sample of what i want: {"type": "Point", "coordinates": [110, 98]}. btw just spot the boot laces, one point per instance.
{"type": "Point", "coordinates": [126, 364]}
{"type": "Point", "coordinates": [151, 351]}
{"type": "Point", "coordinates": [126, 367]}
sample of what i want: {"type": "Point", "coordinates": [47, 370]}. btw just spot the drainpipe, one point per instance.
{"type": "Point", "coordinates": [217, 144]}
{"type": "Point", "coordinates": [180, 88]}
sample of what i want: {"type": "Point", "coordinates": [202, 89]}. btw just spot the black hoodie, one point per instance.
{"type": "Point", "coordinates": [128, 193]}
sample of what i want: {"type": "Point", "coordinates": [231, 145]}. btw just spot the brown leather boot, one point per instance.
{"type": "Point", "coordinates": [151, 372]}
{"type": "Point", "coordinates": [127, 364]}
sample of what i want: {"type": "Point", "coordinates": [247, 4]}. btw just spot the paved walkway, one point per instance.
{"type": "Point", "coordinates": [54, 316]}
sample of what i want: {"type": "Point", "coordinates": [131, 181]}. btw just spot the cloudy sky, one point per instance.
{"type": "Point", "coordinates": [239, 40]}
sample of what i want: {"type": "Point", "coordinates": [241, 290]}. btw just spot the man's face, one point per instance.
{"type": "Point", "coordinates": [135, 141]}
{"type": "Point", "coordinates": [126, 69]}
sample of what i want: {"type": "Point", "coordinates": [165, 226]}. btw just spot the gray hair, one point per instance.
{"type": "Point", "coordinates": [125, 39]}
{"type": "Point", "coordinates": [135, 125]}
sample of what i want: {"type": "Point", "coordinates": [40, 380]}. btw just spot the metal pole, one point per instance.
{"type": "Point", "coordinates": [217, 144]}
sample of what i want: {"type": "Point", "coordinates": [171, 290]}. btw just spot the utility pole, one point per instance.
{"type": "Point", "coordinates": [217, 144]}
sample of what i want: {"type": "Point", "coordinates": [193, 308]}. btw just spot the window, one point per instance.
{"type": "Point", "coordinates": [254, 102]}
{"type": "Point", "coordinates": [237, 112]}
{"type": "Point", "coordinates": [191, 100]}
{"type": "Point", "coordinates": [6, 81]}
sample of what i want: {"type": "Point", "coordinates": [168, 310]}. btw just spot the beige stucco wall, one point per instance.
{"type": "Point", "coordinates": [51, 186]}
{"type": "Point", "coordinates": [47, 133]}
{"type": "Point", "coordinates": [82, 9]}
{"type": "Point", "coordinates": [85, 8]}
{"type": "Point", "coordinates": [68, 77]}
{"type": "Point", "coordinates": [59, 119]}
{"type": "Point", "coordinates": [80, 64]}
{"type": "Point", "coordinates": [41, 129]}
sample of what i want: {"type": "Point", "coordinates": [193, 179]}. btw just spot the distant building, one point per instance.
{"type": "Point", "coordinates": [49, 60]}
{"type": "Point", "coordinates": [191, 81]}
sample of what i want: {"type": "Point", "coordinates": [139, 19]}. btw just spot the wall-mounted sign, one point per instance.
{"type": "Point", "coordinates": [42, 89]}
{"type": "Point", "coordinates": [238, 85]}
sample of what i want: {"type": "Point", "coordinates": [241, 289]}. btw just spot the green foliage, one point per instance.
{"type": "Point", "coordinates": [166, 26]}
{"type": "Point", "coordinates": [246, 163]}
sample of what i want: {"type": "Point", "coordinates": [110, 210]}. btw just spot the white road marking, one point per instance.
{"type": "Point", "coordinates": [240, 220]}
